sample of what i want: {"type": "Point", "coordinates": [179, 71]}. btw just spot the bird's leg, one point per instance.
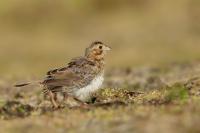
{"type": "Point", "coordinates": [82, 104]}
{"type": "Point", "coordinates": [53, 100]}
{"type": "Point", "coordinates": [65, 96]}
{"type": "Point", "coordinates": [55, 97]}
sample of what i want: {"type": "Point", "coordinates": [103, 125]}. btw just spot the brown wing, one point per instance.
{"type": "Point", "coordinates": [77, 74]}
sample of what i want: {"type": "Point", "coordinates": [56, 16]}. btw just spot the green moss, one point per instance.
{"type": "Point", "coordinates": [119, 94]}
{"type": "Point", "coordinates": [177, 92]}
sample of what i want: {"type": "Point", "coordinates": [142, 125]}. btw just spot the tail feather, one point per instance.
{"type": "Point", "coordinates": [21, 85]}
{"type": "Point", "coordinates": [29, 83]}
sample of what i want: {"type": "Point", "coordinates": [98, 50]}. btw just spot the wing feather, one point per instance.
{"type": "Point", "coordinates": [77, 74]}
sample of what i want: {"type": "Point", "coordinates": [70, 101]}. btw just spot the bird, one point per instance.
{"type": "Point", "coordinates": [80, 78]}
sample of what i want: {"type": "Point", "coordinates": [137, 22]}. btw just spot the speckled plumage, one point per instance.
{"type": "Point", "coordinates": [79, 73]}
{"type": "Point", "coordinates": [81, 77]}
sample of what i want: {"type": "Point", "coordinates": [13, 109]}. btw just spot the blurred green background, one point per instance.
{"type": "Point", "coordinates": [37, 35]}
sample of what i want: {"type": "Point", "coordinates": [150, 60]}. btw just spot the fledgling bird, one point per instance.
{"type": "Point", "coordinates": [80, 78]}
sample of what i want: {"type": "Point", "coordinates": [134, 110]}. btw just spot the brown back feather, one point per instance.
{"type": "Point", "coordinates": [79, 73]}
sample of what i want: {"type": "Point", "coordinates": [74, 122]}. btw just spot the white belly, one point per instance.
{"type": "Point", "coordinates": [84, 93]}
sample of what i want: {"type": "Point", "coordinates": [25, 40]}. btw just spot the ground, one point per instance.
{"type": "Point", "coordinates": [145, 99]}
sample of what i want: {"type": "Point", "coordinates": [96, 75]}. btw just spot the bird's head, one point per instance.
{"type": "Point", "coordinates": [97, 50]}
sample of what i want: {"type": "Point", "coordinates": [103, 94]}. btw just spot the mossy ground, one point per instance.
{"type": "Point", "coordinates": [145, 100]}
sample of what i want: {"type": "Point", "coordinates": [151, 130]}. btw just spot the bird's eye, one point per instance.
{"type": "Point", "coordinates": [100, 47]}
